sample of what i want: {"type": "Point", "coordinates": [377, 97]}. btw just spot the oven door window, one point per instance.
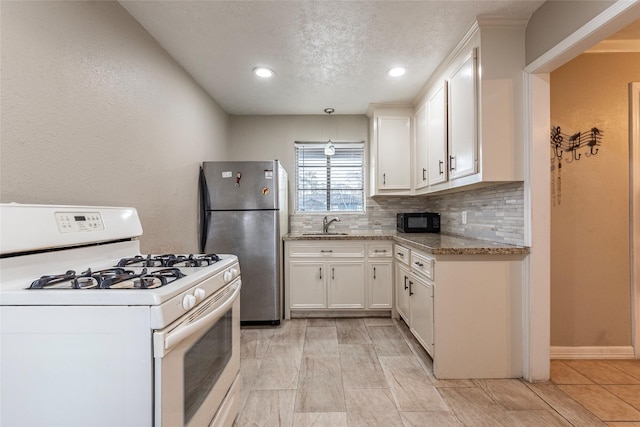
{"type": "Point", "coordinates": [197, 359]}
{"type": "Point", "coordinates": [204, 362]}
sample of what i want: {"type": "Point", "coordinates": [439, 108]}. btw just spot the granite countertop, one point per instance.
{"type": "Point", "coordinates": [432, 243]}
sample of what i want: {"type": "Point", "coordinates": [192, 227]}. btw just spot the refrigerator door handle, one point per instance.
{"type": "Point", "coordinates": [205, 205]}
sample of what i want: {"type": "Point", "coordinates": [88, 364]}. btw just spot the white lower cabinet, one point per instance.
{"type": "Point", "coordinates": [421, 309]}
{"type": "Point", "coordinates": [465, 310]}
{"type": "Point", "coordinates": [310, 280]}
{"type": "Point", "coordinates": [402, 290]}
{"type": "Point", "coordinates": [380, 284]}
{"type": "Point", "coordinates": [338, 275]}
{"type": "Point", "coordinates": [414, 294]}
{"type": "Point", "coordinates": [346, 284]}
{"type": "Point", "coordinates": [315, 284]}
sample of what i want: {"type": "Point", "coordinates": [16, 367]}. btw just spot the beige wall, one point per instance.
{"type": "Point", "coordinates": [273, 137]}
{"type": "Point", "coordinates": [590, 288]}
{"type": "Point", "coordinates": [94, 112]}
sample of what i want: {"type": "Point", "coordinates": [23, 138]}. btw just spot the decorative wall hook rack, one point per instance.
{"type": "Point", "coordinates": [563, 142]}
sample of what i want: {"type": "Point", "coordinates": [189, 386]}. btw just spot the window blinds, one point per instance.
{"type": "Point", "coordinates": [329, 183]}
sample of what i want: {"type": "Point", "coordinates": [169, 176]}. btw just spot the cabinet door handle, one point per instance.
{"type": "Point", "coordinates": [384, 179]}
{"type": "Point", "coordinates": [440, 163]}
{"type": "Point", "coordinates": [405, 283]}
{"type": "Point", "coordinates": [374, 273]}
{"type": "Point", "coordinates": [419, 264]}
{"type": "Point", "coordinates": [410, 291]}
{"type": "Point", "coordinates": [333, 273]}
{"type": "Point", "coordinates": [320, 272]}
{"type": "Point", "coordinates": [452, 160]}
{"type": "Point", "coordinates": [424, 172]}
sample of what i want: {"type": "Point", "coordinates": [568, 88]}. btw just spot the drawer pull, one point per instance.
{"type": "Point", "coordinates": [400, 254]}
{"type": "Point", "coordinates": [380, 250]}
{"type": "Point", "coordinates": [326, 251]}
{"type": "Point", "coordinates": [419, 264]}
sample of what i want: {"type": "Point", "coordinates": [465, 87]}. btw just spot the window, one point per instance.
{"type": "Point", "coordinates": [329, 183]}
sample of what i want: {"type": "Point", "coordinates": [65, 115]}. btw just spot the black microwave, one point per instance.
{"type": "Point", "coordinates": [418, 222]}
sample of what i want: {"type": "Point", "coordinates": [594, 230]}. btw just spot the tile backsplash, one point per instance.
{"type": "Point", "coordinates": [494, 213]}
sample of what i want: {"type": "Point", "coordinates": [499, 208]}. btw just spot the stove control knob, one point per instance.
{"type": "Point", "coordinates": [188, 302]}
{"type": "Point", "coordinates": [228, 276]}
{"type": "Point", "coordinates": [199, 293]}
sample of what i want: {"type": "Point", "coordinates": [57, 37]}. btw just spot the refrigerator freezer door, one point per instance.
{"type": "Point", "coordinates": [254, 237]}
{"type": "Point", "coordinates": [241, 185]}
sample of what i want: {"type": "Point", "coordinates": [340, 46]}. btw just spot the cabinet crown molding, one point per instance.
{"type": "Point", "coordinates": [373, 107]}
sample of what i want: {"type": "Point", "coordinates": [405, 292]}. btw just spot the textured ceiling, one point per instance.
{"type": "Point", "coordinates": [325, 53]}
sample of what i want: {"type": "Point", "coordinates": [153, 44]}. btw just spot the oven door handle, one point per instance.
{"type": "Point", "coordinates": [164, 342]}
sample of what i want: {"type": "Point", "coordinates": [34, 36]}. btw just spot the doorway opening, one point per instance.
{"type": "Point", "coordinates": [537, 316]}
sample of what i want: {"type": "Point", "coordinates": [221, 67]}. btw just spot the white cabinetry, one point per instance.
{"type": "Point", "coordinates": [390, 154]}
{"type": "Point", "coordinates": [478, 316]}
{"type": "Point", "coordinates": [478, 136]}
{"type": "Point", "coordinates": [462, 124]}
{"type": "Point", "coordinates": [402, 292]}
{"type": "Point", "coordinates": [414, 294]}
{"type": "Point", "coordinates": [421, 178]}
{"type": "Point", "coordinates": [310, 279]}
{"type": "Point", "coordinates": [380, 275]}
{"type": "Point", "coordinates": [338, 275]}
{"type": "Point", "coordinates": [346, 284]}
{"type": "Point", "coordinates": [436, 135]}
{"type": "Point", "coordinates": [421, 292]}
{"type": "Point", "coordinates": [465, 310]}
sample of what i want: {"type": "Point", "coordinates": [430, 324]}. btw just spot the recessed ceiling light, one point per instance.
{"type": "Point", "coordinates": [263, 72]}
{"type": "Point", "coordinates": [396, 71]}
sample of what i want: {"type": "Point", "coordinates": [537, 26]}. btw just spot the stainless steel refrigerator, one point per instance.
{"type": "Point", "coordinates": [244, 212]}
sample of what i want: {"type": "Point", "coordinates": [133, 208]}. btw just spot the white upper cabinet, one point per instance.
{"type": "Point", "coordinates": [421, 178]}
{"type": "Point", "coordinates": [437, 164]}
{"type": "Point", "coordinates": [390, 154]}
{"type": "Point", "coordinates": [475, 108]}
{"type": "Point", "coordinates": [462, 119]}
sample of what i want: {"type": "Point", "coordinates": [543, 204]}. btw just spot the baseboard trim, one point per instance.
{"type": "Point", "coordinates": [622, 352]}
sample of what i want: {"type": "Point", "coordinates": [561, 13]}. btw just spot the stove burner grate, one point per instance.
{"type": "Point", "coordinates": [169, 260]}
{"type": "Point", "coordinates": [112, 278]}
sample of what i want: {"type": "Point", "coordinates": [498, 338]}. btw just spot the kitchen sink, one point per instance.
{"type": "Point", "coordinates": [324, 234]}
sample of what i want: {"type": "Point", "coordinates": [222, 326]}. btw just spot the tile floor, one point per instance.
{"type": "Point", "coordinates": [371, 372]}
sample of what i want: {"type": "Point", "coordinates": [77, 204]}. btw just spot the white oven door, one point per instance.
{"type": "Point", "coordinates": [197, 358]}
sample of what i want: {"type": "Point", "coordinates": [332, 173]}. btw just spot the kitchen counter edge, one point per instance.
{"type": "Point", "coordinates": [432, 243]}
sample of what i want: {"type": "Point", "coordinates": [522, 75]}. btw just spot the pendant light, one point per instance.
{"type": "Point", "coordinates": [329, 149]}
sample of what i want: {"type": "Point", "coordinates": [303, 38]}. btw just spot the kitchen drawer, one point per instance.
{"type": "Point", "coordinates": [402, 254]}
{"type": "Point", "coordinates": [380, 250]}
{"type": "Point", "coordinates": [332, 249]}
{"type": "Point", "coordinates": [422, 264]}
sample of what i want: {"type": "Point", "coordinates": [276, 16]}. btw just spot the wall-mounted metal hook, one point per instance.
{"type": "Point", "coordinates": [558, 149]}
{"type": "Point", "coordinates": [576, 156]}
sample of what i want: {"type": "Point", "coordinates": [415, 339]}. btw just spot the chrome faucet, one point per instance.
{"type": "Point", "coordinates": [326, 222]}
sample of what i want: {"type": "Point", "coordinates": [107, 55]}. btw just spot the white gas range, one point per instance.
{"type": "Point", "coordinates": [105, 336]}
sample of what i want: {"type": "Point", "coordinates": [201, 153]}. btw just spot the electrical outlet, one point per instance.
{"type": "Point", "coordinates": [464, 217]}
